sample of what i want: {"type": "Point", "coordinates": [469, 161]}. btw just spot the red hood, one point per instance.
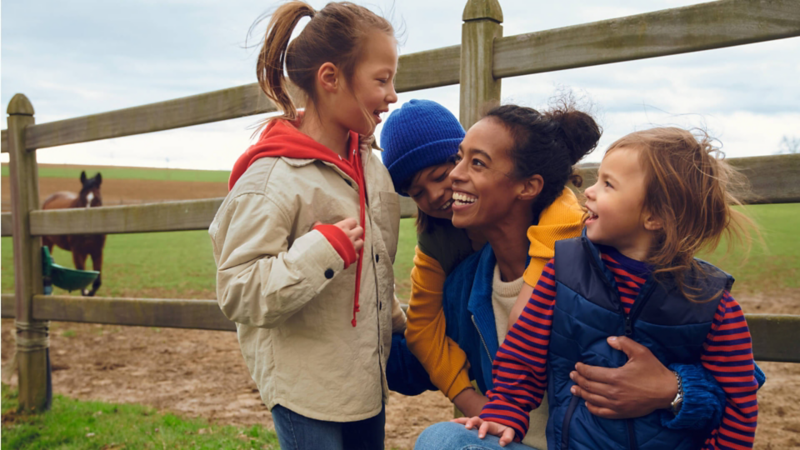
{"type": "Point", "coordinates": [282, 138]}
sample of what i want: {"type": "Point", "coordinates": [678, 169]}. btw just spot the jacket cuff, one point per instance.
{"type": "Point", "coordinates": [703, 400]}
{"type": "Point", "coordinates": [459, 384]}
{"type": "Point", "coordinates": [340, 242]}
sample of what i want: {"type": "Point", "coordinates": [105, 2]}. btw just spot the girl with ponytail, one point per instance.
{"type": "Point", "coordinates": [305, 239]}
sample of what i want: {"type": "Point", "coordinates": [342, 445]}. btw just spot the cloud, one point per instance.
{"type": "Point", "coordinates": [89, 56]}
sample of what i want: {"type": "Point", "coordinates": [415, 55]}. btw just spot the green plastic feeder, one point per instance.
{"type": "Point", "coordinates": [63, 277]}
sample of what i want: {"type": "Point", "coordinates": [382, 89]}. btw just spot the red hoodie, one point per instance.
{"type": "Point", "coordinates": [281, 138]}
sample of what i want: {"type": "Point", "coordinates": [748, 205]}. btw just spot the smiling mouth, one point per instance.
{"type": "Point", "coordinates": [446, 205]}
{"type": "Point", "coordinates": [591, 215]}
{"type": "Point", "coordinates": [461, 198]}
{"type": "Point", "coordinates": [377, 115]}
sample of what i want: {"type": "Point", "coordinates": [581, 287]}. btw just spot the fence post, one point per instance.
{"type": "Point", "coordinates": [479, 89]}
{"type": "Point", "coordinates": [32, 336]}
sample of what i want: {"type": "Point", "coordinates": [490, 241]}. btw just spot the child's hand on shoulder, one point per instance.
{"type": "Point", "coordinates": [505, 433]}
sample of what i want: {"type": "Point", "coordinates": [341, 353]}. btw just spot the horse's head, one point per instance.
{"type": "Point", "coordinates": [90, 192]}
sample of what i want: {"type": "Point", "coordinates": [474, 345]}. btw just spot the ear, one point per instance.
{"type": "Point", "coordinates": [329, 77]}
{"type": "Point", "coordinates": [531, 187]}
{"type": "Point", "coordinates": [652, 222]}
{"type": "Point", "coordinates": [83, 177]}
{"type": "Point", "coordinates": [98, 179]}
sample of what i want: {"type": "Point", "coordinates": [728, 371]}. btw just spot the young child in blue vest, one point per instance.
{"type": "Point", "coordinates": [661, 196]}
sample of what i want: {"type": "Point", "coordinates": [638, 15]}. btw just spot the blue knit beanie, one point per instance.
{"type": "Point", "coordinates": [419, 134]}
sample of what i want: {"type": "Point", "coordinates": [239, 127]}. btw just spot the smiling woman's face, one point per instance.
{"type": "Point", "coordinates": [432, 190]}
{"type": "Point", "coordinates": [483, 188]}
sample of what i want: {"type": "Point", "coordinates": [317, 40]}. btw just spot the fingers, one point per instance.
{"type": "Point", "coordinates": [625, 344]}
{"type": "Point", "coordinates": [461, 420]}
{"type": "Point", "coordinates": [595, 373]}
{"type": "Point", "coordinates": [358, 244]}
{"type": "Point", "coordinates": [590, 397]}
{"type": "Point", "coordinates": [483, 429]}
{"type": "Point", "coordinates": [507, 437]}
{"type": "Point", "coordinates": [590, 387]}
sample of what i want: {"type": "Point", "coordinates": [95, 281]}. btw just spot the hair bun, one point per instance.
{"type": "Point", "coordinates": [579, 131]}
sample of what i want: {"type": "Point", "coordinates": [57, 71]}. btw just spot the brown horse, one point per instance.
{"type": "Point", "coordinates": [81, 245]}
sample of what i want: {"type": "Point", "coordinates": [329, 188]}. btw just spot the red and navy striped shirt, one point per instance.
{"type": "Point", "coordinates": [519, 370]}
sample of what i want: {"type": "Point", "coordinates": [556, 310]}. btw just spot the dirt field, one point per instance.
{"type": "Point", "coordinates": [201, 373]}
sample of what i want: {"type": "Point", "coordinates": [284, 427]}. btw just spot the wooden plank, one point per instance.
{"type": "Point", "coordinates": [6, 225]}
{"type": "Point", "coordinates": [149, 217]}
{"type": "Point", "coordinates": [144, 312]}
{"type": "Point", "coordinates": [694, 28]}
{"type": "Point", "coordinates": [166, 216]}
{"type": "Point", "coordinates": [4, 141]}
{"type": "Point", "coordinates": [8, 306]}
{"type": "Point", "coordinates": [775, 337]}
{"type": "Point", "coordinates": [407, 207]}
{"type": "Point", "coordinates": [34, 370]}
{"type": "Point", "coordinates": [479, 89]}
{"type": "Point", "coordinates": [415, 71]}
{"type": "Point", "coordinates": [772, 179]}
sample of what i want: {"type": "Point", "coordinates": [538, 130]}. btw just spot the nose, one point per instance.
{"type": "Point", "coordinates": [392, 96]}
{"type": "Point", "coordinates": [438, 191]}
{"type": "Point", "coordinates": [589, 192]}
{"type": "Point", "coordinates": [459, 172]}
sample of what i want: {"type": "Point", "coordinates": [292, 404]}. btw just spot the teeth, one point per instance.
{"type": "Point", "coordinates": [464, 198]}
{"type": "Point", "coordinates": [446, 204]}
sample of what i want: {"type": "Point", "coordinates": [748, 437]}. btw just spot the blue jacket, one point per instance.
{"type": "Point", "coordinates": [587, 310]}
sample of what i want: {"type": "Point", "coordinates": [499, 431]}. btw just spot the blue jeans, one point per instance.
{"type": "Point", "coordinates": [296, 432]}
{"type": "Point", "coordinates": [454, 436]}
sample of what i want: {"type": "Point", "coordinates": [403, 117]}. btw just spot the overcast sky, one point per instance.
{"type": "Point", "coordinates": [89, 56]}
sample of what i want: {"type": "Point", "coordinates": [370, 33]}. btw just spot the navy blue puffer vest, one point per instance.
{"type": "Point", "coordinates": [588, 309]}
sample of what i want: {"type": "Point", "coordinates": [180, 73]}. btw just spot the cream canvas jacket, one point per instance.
{"type": "Point", "coordinates": [288, 292]}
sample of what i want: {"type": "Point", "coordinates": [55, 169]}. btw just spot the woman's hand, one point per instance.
{"type": "Point", "coordinates": [636, 389]}
{"type": "Point", "coordinates": [505, 433]}
{"type": "Point", "coordinates": [469, 402]}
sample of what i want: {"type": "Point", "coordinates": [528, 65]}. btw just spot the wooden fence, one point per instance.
{"type": "Point", "coordinates": [478, 65]}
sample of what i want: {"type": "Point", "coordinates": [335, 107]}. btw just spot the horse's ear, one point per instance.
{"type": "Point", "coordinates": [83, 177]}
{"type": "Point", "coordinates": [98, 179]}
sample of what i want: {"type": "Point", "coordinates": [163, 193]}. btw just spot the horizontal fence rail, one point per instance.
{"type": "Point", "coordinates": [772, 180]}
{"type": "Point", "coordinates": [770, 332]}
{"type": "Point", "coordinates": [661, 33]}
{"type": "Point", "coordinates": [705, 26]}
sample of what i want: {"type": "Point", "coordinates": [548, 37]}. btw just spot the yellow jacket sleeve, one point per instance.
{"type": "Point", "coordinates": [561, 220]}
{"type": "Point", "coordinates": [442, 358]}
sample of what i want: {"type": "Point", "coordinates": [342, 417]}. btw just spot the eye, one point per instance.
{"type": "Point", "coordinates": [607, 184]}
{"type": "Point", "coordinates": [415, 194]}
{"type": "Point", "coordinates": [455, 159]}
{"type": "Point", "coordinates": [443, 176]}
{"type": "Point", "coordinates": [383, 80]}
{"type": "Point", "coordinates": [478, 162]}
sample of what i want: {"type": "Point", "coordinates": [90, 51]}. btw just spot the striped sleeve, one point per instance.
{"type": "Point", "coordinates": [519, 368]}
{"type": "Point", "coordinates": [728, 355]}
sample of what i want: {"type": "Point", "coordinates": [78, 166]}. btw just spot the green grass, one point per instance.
{"type": "Point", "coordinates": [774, 259]}
{"type": "Point", "coordinates": [181, 265]}
{"type": "Point", "coordinates": [130, 173]}
{"type": "Point", "coordinates": [76, 425]}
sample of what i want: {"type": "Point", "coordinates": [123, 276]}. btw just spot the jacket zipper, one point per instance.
{"type": "Point", "coordinates": [631, 435]}
{"type": "Point", "coordinates": [573, 404]}
{"type": "Point", "coordinates": [485, 347]}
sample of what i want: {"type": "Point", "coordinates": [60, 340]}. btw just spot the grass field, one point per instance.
{"type": "Point", "coordinates": [181, 265]}
{"type": "Point", "coordinates": [93, 425]}
{"type": "Point", "coordinates": [129, 173]}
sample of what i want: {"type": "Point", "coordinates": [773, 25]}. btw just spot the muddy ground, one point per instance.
{"type": "Point", "coordinates": [201, 373]}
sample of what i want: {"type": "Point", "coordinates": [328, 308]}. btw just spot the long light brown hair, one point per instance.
{"type": "Point", "coordinates": [691, 189]}
{"type": "Point", "coordinates": [335, 34]}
